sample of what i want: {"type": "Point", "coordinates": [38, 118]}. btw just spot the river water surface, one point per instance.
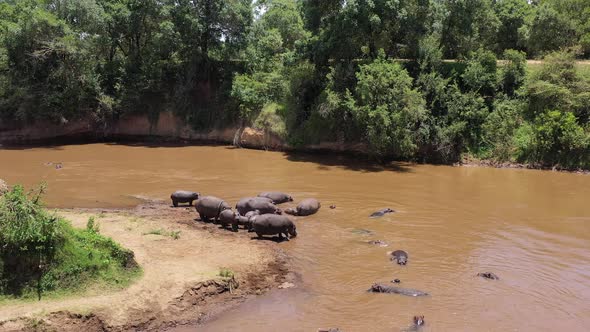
{"type": "Point", "coordinates": [531, 228]}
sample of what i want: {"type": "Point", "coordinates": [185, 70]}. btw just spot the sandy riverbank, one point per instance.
{"type": "Point", "coordinates": [180, 285]}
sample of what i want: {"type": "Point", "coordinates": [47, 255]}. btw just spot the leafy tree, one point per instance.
{"type": "Point", "coordinates": [513, 71]}
{"type": "Point", "coordinates": [390, 109]}
{"type": "Point", "coordinates": [513, 15]}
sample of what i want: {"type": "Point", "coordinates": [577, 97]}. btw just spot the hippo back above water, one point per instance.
{"type": "Point", "coordinates": [277, 197]}
{"type": "Point", "coordinates": [210, 207]}
{"type": "Point", "coordinates": [262, 204]}
{"type": "Point", "coordinates": [306, 207]}
{"type": "Point", "coordinates": [380, 288]}
{"type": "Point", "coordinates": [184, 196]}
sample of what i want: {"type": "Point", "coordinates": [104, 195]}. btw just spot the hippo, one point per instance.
{"type": "Point", "coordinates": [306, 207]}
{"type": "Point", "coordinates": [210, 207]}
{"type": "Point", "coordinates": [488, 275]}
{"type": "Point", "coordinates": [262, 204]}
{"type": "Point", "coordinates": [381, 213]}
{"type": "Point", "coordinates": [271, 224]}
{"type": "Point", "coordinates": [183, 196]}
{"type": "Point", "coordinates": [416, 325]}
{"type": "Point", "coordinates": [378, 243]}
{"type": "Point", "coordinates": [277, 197]}
{"type": "Point", "coordinates": [400, 256]}
{"type": "Point", "coordinates": [379, 288]}
{"type": "Point", "coordinates": [228, 217]}
{"type": "Point", "coordinates": [244, 220]}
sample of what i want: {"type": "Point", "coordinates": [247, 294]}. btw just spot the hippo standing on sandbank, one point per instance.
{"type": "Point", "coordinates": [244, 220]}
{"type": "Point", "coordinates": [379, 288]}
{"type": "Point", "coordinates": [262, 204]}
{"type": "Point", "coordinates": [277, 197]}
{"type": "Point", "coordinates": [306, 207]}
{"type": "Point", "coordinates": [183, 196]}
{"type": "Point", "coordinates": [210, 207]}
{"type": "Point", "coordinates": [228, 217]}
{"type": "Point", "coordinates": [271, 224]}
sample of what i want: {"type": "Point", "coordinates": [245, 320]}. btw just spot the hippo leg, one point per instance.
{"type": "Point", "coordinates": [259, 235]}
{"type": "Point", "coordinates": [203, 217]}
{"type": "Point", "coordinates": [190, 203]}
{"type": "Point", "coordinates": [175, 203]}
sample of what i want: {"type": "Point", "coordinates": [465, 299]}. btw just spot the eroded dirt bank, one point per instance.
{"type": "Point", "coordinates": [167, 127]}
{"type": "Point", "coordinates": [180, 285]}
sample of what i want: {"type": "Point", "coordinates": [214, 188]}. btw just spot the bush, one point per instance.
{"type": "Point", "coordinates": [481, 73]}
{"type": "Point", "coordinates": [513, 72]}
{"type": "Point", "coordinates": [387, 106]}
{"type": "Point", "coordinates": [560, 140]}
{"type": "Point", "coordinates": [500, 127]}
{"type": "Point", "coordinates": [42, 253]}
{"type": "Point", "coordinates": [29, 238]}
{"type": "Point", "coordinates": [271, 120]}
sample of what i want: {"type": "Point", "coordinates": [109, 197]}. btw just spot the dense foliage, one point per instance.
{"type": "Point", "coordinates": [40, 252]}
{"type": "Point", "coordinates": [347, 71]}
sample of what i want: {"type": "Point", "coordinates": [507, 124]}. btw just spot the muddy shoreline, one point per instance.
{"type": "Point", "coordinates": [192, 305]}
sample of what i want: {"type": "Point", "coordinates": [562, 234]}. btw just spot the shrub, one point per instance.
{"type": "Point", "coordinates": [500, 127]}
{"type": "Point", "coordinates": [42, 253]}
{"type": "Point", "coordinates": [560, 140]}
{"type": "Point", "coordinates": [513, 72]}
{"type": "Point", "coordinates": [385, 103]}
{"type": "Point", "coordinates": [29, 238]}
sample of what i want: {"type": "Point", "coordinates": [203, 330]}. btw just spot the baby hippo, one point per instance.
{"type": "Point", "coordinates": [306, 207]}
{"type": "Point", "coordinates": [228, 217]}
{"type": "Point", "coordinates": [400, 256]}
{"type": "Point", "coordinates": [245, 220]}
{"type": "Point", "coordinates": [183, 196]}
{"type": "Point", "coordinates": [271, 224]}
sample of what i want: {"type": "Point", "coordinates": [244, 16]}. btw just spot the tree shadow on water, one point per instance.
{"type": "Point", "coordinates": [357, 163]}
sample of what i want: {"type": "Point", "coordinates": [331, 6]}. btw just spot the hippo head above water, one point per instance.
{"type": "Point", "coordinates": [418, 320]}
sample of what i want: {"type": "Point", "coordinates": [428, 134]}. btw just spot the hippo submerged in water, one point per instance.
{"type": "Point", "coordinates": [379, 288]}
{"type": "Point", "coordinates": [400, 256]}
{"type": "Point", "coordinates": [183, 196]}
{"type": "Point", "coordinates": [277, 197]}
{"type": "Point", "coordinates": [211, 207]}
{"type": "Point", "coordinates": [272, 224]}
{"type": "Point", "coordinates": [488, 275]}
{"type": "Point", "coordinates": [417, 324]}
{"type": "Point", "coordinates": [306, 207]}
{"type": "Point", "coordinates": [262, 204]}
{"type": "Point", "coordinates": [381, 213]}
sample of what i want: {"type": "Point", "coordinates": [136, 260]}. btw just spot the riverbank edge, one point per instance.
{"type": "Point", "coordinates": [169, 129]}
{"type": "Point", "coordinates": [199, 303]}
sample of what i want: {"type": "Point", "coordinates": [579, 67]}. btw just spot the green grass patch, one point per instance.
{"type": "Point", "coordinates": [173, 234]}
{"type": "Point", "coordinates": [44, 255]}
{"type": "Point", "coordinates": [582, 68]}
{"type": "Point", "coordinates": [226, 273]}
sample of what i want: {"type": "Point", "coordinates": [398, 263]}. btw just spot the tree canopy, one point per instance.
{"type": "Point", "coordinates": [414, 79]}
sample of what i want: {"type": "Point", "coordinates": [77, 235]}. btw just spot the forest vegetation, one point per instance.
{"type": "Point", "coordinates": [421, 80]}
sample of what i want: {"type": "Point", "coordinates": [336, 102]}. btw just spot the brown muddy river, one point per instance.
{"type": "Point", "coordinates": [531, 228]}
